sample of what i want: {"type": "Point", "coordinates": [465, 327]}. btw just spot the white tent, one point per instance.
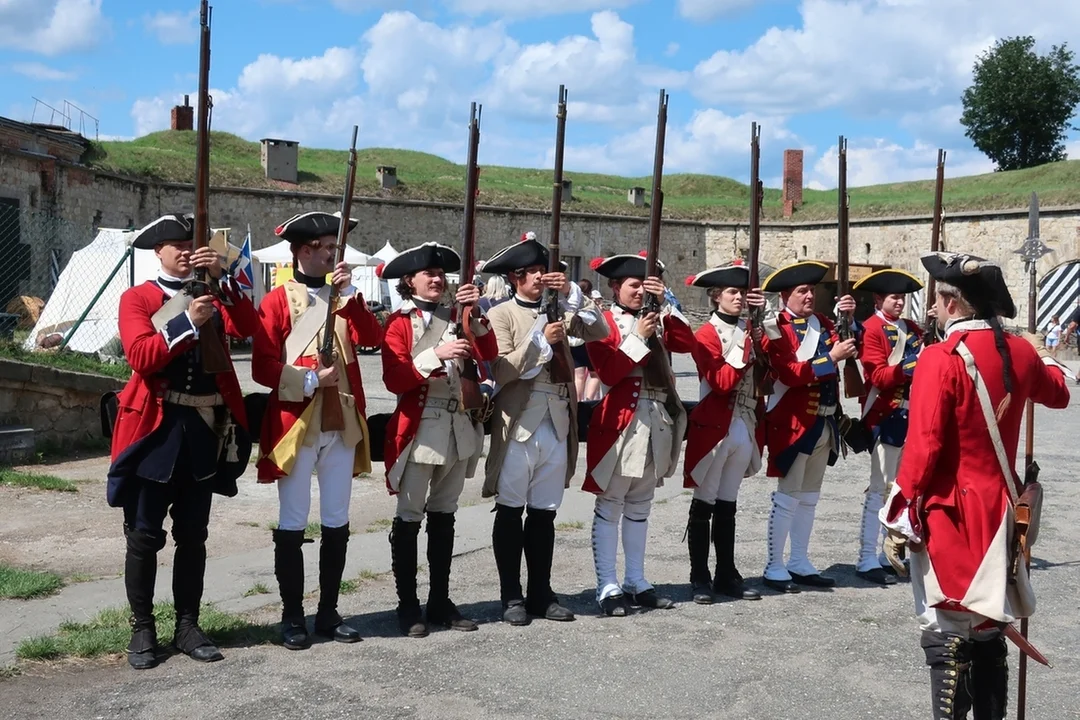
{"type": "Point", "coordinates": [374, 288]}
{"type": "Point", "coordinates": [84, 275]}
{"type": "Point", "coordinates": [281, 253]}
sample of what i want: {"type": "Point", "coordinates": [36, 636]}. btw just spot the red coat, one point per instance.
{"type": "Point", "coordinates": [950, 481]}
{"type": "Point", "coordinates": [615, 410]}
{"type": "Point", "coordinates": [147, 353]}
{"type": "Point", "coordinates": [711, 418]}
{"type": "Point", "coordinates": [801, 386]}
{"type": "Point", "coordinates": [267, 366]}
{"type": "Point", "coordinates": [886, 385]}
{"type": "Point", "coordinates": [403, 379]}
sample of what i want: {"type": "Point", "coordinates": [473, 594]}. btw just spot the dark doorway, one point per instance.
{"type": "Point", "coordinates": [16, 255]}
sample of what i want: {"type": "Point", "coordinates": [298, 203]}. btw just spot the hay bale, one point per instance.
{"type": "Point", "coordinates": [27, 308]}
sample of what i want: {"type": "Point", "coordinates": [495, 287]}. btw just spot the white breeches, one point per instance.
{"type": "Point", "coordinates": [884, 464]}
{"type": "Point", "coordinates": [332, 460]}
{"type": "Point", "coordinates": [533, 471]}
{"type": "Point", "coordinates": [728, 468]}
{"type": "Point", "coordinates": [808, 471]}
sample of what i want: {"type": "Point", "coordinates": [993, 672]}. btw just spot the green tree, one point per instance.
{"type": "Point", "coordinates": [1018, 107]}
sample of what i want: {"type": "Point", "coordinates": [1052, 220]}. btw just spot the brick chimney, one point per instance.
{"type": "Point", "coordinates": [183, 116]}
{"type": "Point", "coordinates": [793, 181]}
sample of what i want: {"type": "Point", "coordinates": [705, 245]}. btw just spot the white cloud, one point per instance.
{"type": "Point", "coordinates": [874, 56]}
{"type": "Point", "coordinates": [533, 8]}
{"type": "Point", "coordinates": [51, 27]}
{"type": "Point", "coordinates": [40, 71]}
{"type": "Point", "coordinates": [710, 142]}
{"type": "Point", "coordinates": [173, 28]}
{"type": "Point", "coordinates": [607, 84]}
{"type": "Point", "coordinates": [672, 49]}
{"type": "Point", "coordinates": [873, 161]}
{"type": "Point", "coordinates": [705, 10]}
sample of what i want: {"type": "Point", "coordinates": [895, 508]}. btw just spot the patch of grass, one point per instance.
{"type": "Point", "coordinates": [10, 671]}
{"type": "Point", "coordinates": [348, 586]}
{"type": "Point", "coordinates": [32, 480]}
{"type": "Point", "coordinates": [170, 155]}
{"type": "Point", "coordinates": [570, 525]}
{"type": "Point", "coordinates": [65, 360]}
{"type": "Point", "coordinates": [379, 525]}
{"type": "Point", "coordinates": [24, 584]}
{"type": "Point", "coordinates": [79, 578]}
{"type": "Point", "coordinates": [662, 502]}
{"type": "Point", "coordinates": [248, 523]}
{"type": "Point", "coordinates": [257, 589]}
{"type": "Point", "coordinates": [313, 528]}
{"type": "Point", "coordinates": [109, 633]}
{"type": "Point", "coordinates": [370, 575]}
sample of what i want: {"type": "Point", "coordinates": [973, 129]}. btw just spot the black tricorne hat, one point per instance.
{"type": "Point", "coordinates": [422, 257]}
{"type": "Point", "coordinates": [305, 227]}
{"type": "Point", "coordinates": [515, 257]}
{"type": "Point", "coordinates": [889, 282]}
{"type": "Point", "coordinates": [174, 227]}
{"type": "Point", "coordinates": [734, 274]}
{"type": "Point", "coordinates": [807, 272]}
{"type": "Point", "coordinates": [618, 267]}
{"type": "Point", "coordinates": [980, 281]}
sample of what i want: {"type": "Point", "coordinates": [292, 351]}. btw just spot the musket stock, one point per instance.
{"type": "Point", "coordinates": [656, 367]}
{"type": "Point", "coordinates": [333, 417]}
{"type": "Point", "coordinates": [472, 399]}
{"type": "Point", "coordinates": [560, 369]}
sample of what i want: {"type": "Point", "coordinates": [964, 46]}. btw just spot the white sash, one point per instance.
{"type": "Point", "coordinates": [307, 326]}
{"type": "Point", "coordinates": [895, 357]}
{"type": "Point", "coordinates": [806, 350]}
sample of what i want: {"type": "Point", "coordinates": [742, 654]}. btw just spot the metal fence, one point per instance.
{"type": "Point", "coordinates": [61, 283]}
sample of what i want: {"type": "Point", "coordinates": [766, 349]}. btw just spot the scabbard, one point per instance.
{"type": "Point", "coordinates": [1024, 644]}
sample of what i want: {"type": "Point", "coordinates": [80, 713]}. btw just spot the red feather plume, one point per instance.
{"type": "Point", "coordinates": [690, 280]}
{"type": "Point", "coordinates": [279, 229]}
{"type": "Point", "coordinates": [738, 261]}
{"type": "Point", "coordinates": [596, 262]}
{"type": "Point", "coordinates": [379, 269]}
{"type": "Point", "coordinates": [643, 253]}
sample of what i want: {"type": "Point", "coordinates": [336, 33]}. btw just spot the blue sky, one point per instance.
{"type": "Point", "coordinates": [886, 73]}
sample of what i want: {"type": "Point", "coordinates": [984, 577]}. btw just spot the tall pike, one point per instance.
{"type": "Point", "coordinates": [214, 358]}
{"type": "Point", "coordinates": [763, 381]}
{"type": "Point", "coordinates": [560, 368]}
{"type": "Point", "coordinates": [853, 382]}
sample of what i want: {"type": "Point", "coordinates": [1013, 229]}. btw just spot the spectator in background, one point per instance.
{"type": "Point", "coordinates": [1053, 335]}
{"type": "Point", "coordinates": [586, 382]}
{"type": "Point", "coordinates": [495, 291]}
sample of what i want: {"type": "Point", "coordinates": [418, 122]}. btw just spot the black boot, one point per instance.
{"type": "Point", "coordinates": [728, 580]}
{"type": "Point", "coordinates": [989, 678]}
{"type": "Point", "coordinates": [697, 540]}
{"type": "Point", "coordinates": [189, 569]}
{"type": "Point", "coordinates": [949, 658]}
{"type": "Point", "coordinates": [507, 538]}
{"type": "Point", "coordinates": [140, 574]}
{"type": "Point", "coordinates": [440, 552]}
{"type": "Point", "coordinates": [289, 569]}
{"type": "Point", "coordinates": [332, 549]}
{"type": "Point", "coordinates": [403, 537]}
{"type": "Point", "coordinates": [539, 553]}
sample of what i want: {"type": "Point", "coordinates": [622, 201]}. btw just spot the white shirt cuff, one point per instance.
{"type": "Point", "coordinates": [311, 383]}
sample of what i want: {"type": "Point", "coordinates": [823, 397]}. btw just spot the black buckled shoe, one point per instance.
{"type": "Point", "coordinates": [815, 580]}
{"type": "Point", "coordinates": [192, 641]}
{"type": "Point", "coordinates": [649, 599]}
{"type": "Point", "coordinates": [782, 586]}
{"type": "Point", "coordinates": [330, 625]}
{"type": "Point", "coordinates": [615, 606]}
{"type": "Point", "coordinates": [514, 613]}
{"type": "Point", "coordinates": [294, 635]}
{"type": "Point", "coordinates": [142, 650]}
{"type": "Point", "coordinates": [552, 610]}
{"type": "Point", "coordinates": [411, 621]}
{"type": "Point", "coordinates": [735, 588]}
{"type": "Point", "coordinates": [878, 576]}
{"type": "Point", "coordinates": [703, 593]}
{"type": "Point", "coordinates": [445, 613]}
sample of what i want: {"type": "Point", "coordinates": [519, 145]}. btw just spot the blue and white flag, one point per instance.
{"type": "Point", "coordinates": [241, 267]}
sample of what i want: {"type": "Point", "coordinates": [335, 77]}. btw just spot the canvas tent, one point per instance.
{"type": "Point", "coordinates": [84, 275]}
{"type": "Point", "coordinates": [107, 265]}
{"type": "Point", "coordinates": [374, 288]}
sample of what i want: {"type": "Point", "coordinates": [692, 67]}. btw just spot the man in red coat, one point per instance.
{"type": "Point", "coordinates": [952, 503]}
{"type": "Point", "coordinates": [801, 418]}
{"type": "Point", "coordinates": [635, 434]}
{"type": "Point", "coordinates": [175, 440]}
{"type": "Point", "coordinates": [722, 445]}
{"type": "Point", "coordinates": [294, 442]}
{"type": "Point", "coordinates": [888, 349]}
{"type": "Point", "coordinates": [432, 442]}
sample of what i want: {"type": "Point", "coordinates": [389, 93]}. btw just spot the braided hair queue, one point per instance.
{"type": "Point", "coordinates": [983, 312]}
